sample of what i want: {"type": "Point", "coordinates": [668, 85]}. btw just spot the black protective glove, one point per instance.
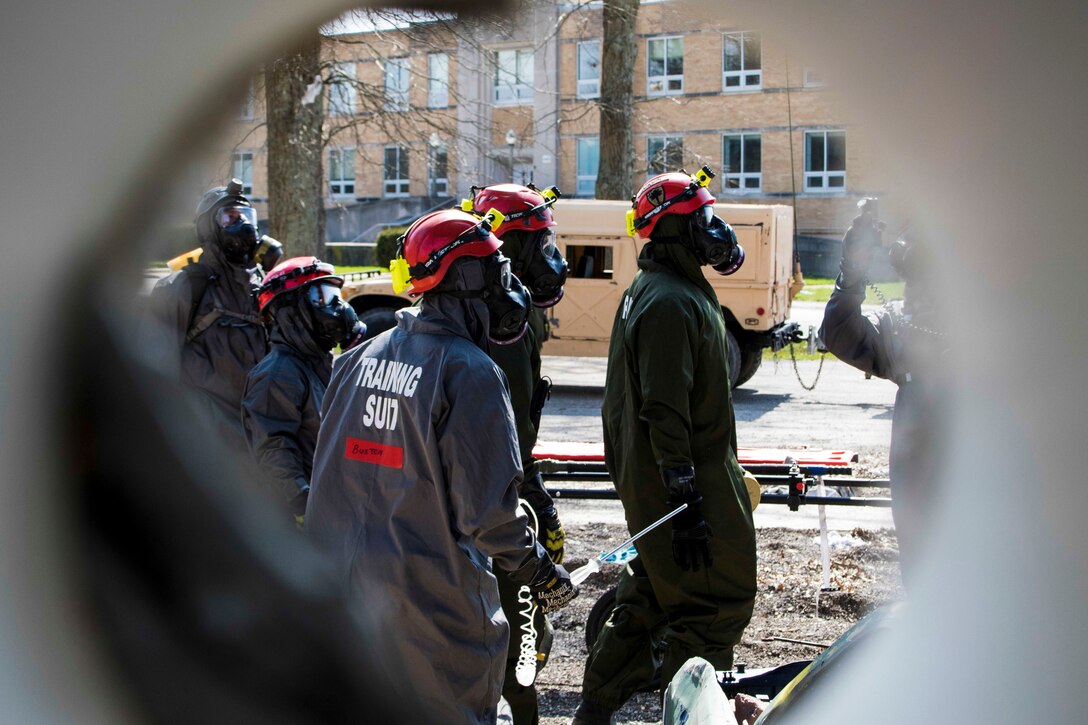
{"type": "Point", "coordinates": [552, 535]}
{"type": "Point", "coordinates": [297, 505]}
{"type": "Point", "coordinates": [552, 588]}
{"type": "Point", "coordinates": [857, 251]}
{"type": "Point", "coordinates": [690, 531]}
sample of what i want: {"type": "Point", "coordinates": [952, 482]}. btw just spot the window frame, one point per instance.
{"type": "Point", "coordinates": [401, 184]}
{"type": "Point", "coordinates": [812, 79]}
{"type": "Point", "coordinates": [744, 73]}
{"type": "Point", "coordinates": [664, 138]}
{"type": "Point", "coordinates": [521, 92]}
{"type": "Point", "coordinates": [344, 90]}
{"type": "Point", "coordinates": [342, 180]}
{"type": "Point", "coordinates": [586, 88]}
{"type": "Point", "coordinates": [579, 177]}
{"type": "Point", "coordinates": [743, 175]}
{"type": "Point", "coordinates": [824, 175]}
{"type": "Point", "coordinates": [237, 157]}
{"type": "Point", "coordinates": [666, 78]}
{"type": "Point", "coordinates": [438, 88]}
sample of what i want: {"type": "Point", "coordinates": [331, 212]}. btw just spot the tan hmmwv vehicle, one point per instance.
{"type": "Point", "coordinates": [591, 234]}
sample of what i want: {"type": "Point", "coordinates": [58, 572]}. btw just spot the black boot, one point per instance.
{"type": "Point", "coordinates": [590, 714]}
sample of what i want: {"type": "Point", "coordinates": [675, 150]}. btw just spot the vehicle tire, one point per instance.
{"type": "Point", "coordinates": [378, 320]}
{"type": "Point", "coordinates": [598, 615]}
{"type": "Point", "coordinates": [734, 359]}
{"type": "Point", "coordinates": [750, 360]}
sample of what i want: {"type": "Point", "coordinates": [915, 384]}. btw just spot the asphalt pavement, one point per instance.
{"type": "Point", "coordinates": [844, 411]}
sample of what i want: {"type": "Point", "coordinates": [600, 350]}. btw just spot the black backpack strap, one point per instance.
{"type": "Point", "coordinates": [199, 276]}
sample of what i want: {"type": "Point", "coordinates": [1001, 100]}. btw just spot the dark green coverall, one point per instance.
{"type": "Point", "coordinates": [521, 363]}
{"type": "Point", "coordinates": [667, 404]}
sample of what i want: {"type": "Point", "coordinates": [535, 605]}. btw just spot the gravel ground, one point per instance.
{"type": "Point", "coordinates": [864, 573]}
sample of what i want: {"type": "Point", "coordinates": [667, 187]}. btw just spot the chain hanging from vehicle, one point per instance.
{"type": "Point", "coordinates": [811, 351]}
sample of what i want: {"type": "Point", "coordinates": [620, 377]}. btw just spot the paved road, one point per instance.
{"type": "Point", "coordinates": [844, 411]}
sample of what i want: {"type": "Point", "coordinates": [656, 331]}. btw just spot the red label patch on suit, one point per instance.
{"type": "Point", "coordinates": [371, 452]}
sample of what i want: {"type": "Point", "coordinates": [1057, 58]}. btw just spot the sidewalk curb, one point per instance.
{"type": "Point", "coordinates": [576, 389]}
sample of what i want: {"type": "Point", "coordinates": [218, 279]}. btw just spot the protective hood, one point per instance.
{"type": "Point", "coordinates": [490, 280]}
{"type": "Point", "coordinates": [238, 282]}
{"type": "Point", "coordinates": [679, 259]}
{"type": "Point", "coordinates": [461, 316]}
{"type": "Point", "coordinates": [290, 329]}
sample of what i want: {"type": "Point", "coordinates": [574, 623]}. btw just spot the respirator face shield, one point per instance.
{"type": "Point", "coordinates": [507, 301]}
{"type": "Point", "coordinates": [491, 280]}
{"type": "Point", "coordinates": [545, 270]}
{"type": "Point", "coordinates": [236, 232]}
{"type": "Point", "coordinates": [715, 241]}
{"type": "Point", "coordinates": [330, 319]}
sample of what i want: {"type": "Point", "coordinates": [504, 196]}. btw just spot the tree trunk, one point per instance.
{"type": "Point", "coordinates": [615, 175]}
{"type": "Point", "coordinates": [296, 209]}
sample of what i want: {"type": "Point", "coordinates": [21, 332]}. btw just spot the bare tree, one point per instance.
{"type": "Point", "coordinates": [615, 175]}
{"type": "Point", "coordinates": [296, 207]}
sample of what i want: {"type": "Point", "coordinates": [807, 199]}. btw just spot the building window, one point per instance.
{"type": "Point", "coordinates": [664, 154]}
{"type": "Point", "coordinates": [741, 62]}
{"type": "Point", "coordinates": [514, 76]}
{"type": "Point", "coordinates": [813, 78]}
{"type": "Point", "coordinates": [396, 171]}
{"type": "Point", "coordinates": [438, 80]}
{"type": "Point", "coordinates": [742, 162]}
{"type": "Point", "coordinates": [664, 66]}
{"type": "Point", "coordinates": [588, 159]}
{"type": "Point", "coordinates": [249, 104]}
{"type": "Point", "coordinates": [342, 172]}
{"type": "Point", "coordinates": [396, 84]}
{"type": "Point", "coordinates": [825, 160]}
{"type": "Point", "coordinates": [440, 183]}
{"type": "Point", "coordinates": [342, 90]}
{"type": "Point", "coordinates": [589, 69]}
{"type": "Point", "coordinates": [241, 167]}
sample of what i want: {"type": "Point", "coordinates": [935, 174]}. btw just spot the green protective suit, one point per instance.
{"type": "Point", "coordinates": [521, 364]}
{"type": "Point", "coordinates": [667, 404]}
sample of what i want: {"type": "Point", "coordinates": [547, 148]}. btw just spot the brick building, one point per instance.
{"type": "Point", "coordinates": [420, 111]}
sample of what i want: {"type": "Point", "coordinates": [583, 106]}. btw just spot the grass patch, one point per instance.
{"type": "Point", "coordinates": [819, 289]}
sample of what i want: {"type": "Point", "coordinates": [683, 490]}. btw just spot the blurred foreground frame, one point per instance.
{"type": "Point", "coordinates": [202, 595]}
{"type": "Point", "coordinates": [1009, 208]}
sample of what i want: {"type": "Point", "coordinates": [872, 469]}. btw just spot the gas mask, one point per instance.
{"type": "Point", "coordinates": [268, 254]}
{"type": "Point", "coordinates": [541, 268]}
{"type": "Point", "coordinates": [715, 242]}
{"type": "Point", "coordinates": [331, 320]}
{"type": "Point", "coordinates": [491, 280]}
{"type": "Point", "coordinates": [236, 233]}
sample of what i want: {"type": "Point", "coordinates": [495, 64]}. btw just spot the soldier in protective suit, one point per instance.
{"type": "Point", "coordinates": [202, 325]}
{"type": "Point", "coordinates": [897, 343]}
{"type": "Point", "coordinates": [281, 407]}
{"type": "Point", "coordinates": [528, 240]}
{"type": "Point", "coordinates": [417, 469]}
{"type": "Point", "coordinates": [670, 439]}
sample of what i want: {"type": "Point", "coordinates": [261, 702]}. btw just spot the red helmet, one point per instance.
{"type": "Point", "coordinates": [291, 274]}
{"type": "Point", "coordinates": [673, 193]}
{"type": "Point", "coordinates": [434, 241]}
{"type": "Point", "coordinates": [522, 207]}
